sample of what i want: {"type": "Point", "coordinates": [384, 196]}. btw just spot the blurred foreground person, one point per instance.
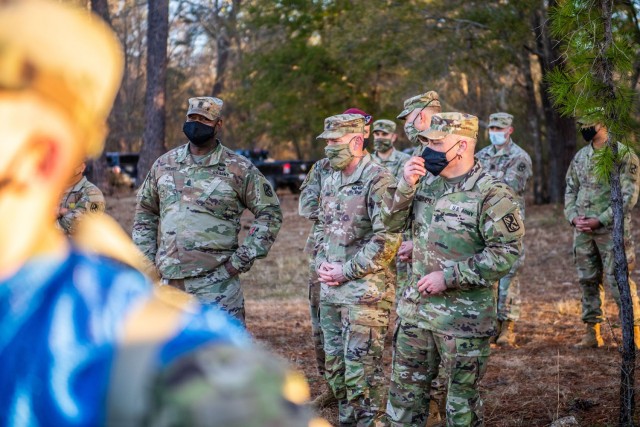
{"type": "Point", "coordinates": [80, 198]}
{"type": "Point", "coordinates": [85, 340]}
{"type": "Point", "coordinates": [587, 207]}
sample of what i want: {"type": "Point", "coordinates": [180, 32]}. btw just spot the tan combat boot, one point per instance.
{"type": "Point", "coordinates": [324, 400]}
{"type": "Point", "coordinates": [592, 337]}
{"type": "Point", "coordinates": [636, 337]}
{"type": "Point", "coordinates": [492, 339]}
{"type": "Point", "coordinates": [507, 337]}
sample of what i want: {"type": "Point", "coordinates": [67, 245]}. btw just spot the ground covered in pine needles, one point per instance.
{"type": "Point", "coordinates": [540, 380]}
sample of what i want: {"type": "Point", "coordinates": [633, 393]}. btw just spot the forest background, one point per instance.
{"type": "Point", "coordinates": [282, 66]}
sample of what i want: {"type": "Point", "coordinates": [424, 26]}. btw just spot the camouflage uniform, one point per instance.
{"type": "Point", "coordinates": [308, 207]}
{"type": "Point", "coordinates": [585, 195]}
{"type": "Point", "coordinates": [511, 165]}
{"type": "Point", "coordinates": [82, 198]}
{"type": "Point", "coordinates": [188, 218]}
{"type": "Point", "coordinates": [394, 164]}
{"type": "Point", "coordinates": [354, 315]}
{"type": "Point", "coordinates": [472, 231]}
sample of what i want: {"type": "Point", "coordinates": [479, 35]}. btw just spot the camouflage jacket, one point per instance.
{"type": "Point", "coordinates": [78, 200]}
{"type": "Point", "coordinates": [510, 164]}
{"type": "Point", "coordinates": [472, 231]}
{"type": "Point", "coordinates": [194, 210]}
{"type": "Point", "coordinates": [588, 196]}
{"type": "Point", "coordinates": [350, 232]}
{"type": "Point", "coordinates": [309, 202]}
{"type": "Point", "coordinates": [394, 164]}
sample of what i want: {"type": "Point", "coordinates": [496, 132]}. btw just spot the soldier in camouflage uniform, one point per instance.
{"type": "Point", "coordinates": [507, 162]}
{"type": "Point", "coordinates": [87, 340]}
{"type": "Point", "coordinates": [188, 213]}
{"type": "Point", "coordinates": [467, 233]}
{"type": "Point", "coordinates": [587, 206]}
{"type": "Point", "coordinates": [353, 252]}
{"type": "Point", "coordinates": [308, 207]}
{"type": "Point", "coordinates": [384, 153]}
{"type": "Point", "coordinates": [79, 198]}
{"type": "Point", "coordinates": [417, 114]}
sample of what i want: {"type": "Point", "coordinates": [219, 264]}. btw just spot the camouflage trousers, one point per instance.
{"type": "Point", "coordinates": [217, 288]}
{"type": "Point", "coordinates": [418, 354]}
{"type": "Point", "coordinates": [314, 310]}
{"type": "Point", "coordinates": [508, 301]}
{"type": "Point", "coordinates": [593, 255]}
{"type": "Point", "coordinates": [353, 342]}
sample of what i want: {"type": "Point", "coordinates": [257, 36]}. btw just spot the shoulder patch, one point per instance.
{"type": "Point", "coordinates": [93, 207]}
{"type": "Point", "coordinates": [267, 189]}
{"type": "Point", "coordinates": [511, 222]}
{"type": "Point", "coordinates": [633, 169]}
{"type": "Point", "coordinates": [522, 167]}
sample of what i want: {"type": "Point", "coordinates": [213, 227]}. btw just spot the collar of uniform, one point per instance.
{"type": "Point", "coordinates": [78, 185]}
{"type": "Point", "coordinates": [504, 150]}
{"type": "Point", "coordinates": [183, 155]}
{"type": "Point", "coordinates": [357, 174]}
{"type": "Point", "coordinates": [466, 184]}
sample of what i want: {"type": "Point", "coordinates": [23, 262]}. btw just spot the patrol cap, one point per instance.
{"type": "Point", "coordinates": [429, 99]}
{"type": "Point", "coordinates": [591, 117]}
{"type": "Point", "coordinates": [367, 117]}
{"type": "Point", "coordinates": [342, 124]}
{"type": "Point", "coordinates": [66, 56]}
{"type": "Point", "coordinates": [206, 106]}
{"type": "Point", "coordinates": [443, 124]}
{"type": "Point", "coordinates": [384, 125]}
{"type": "Point", "coordinates": [500, 120]}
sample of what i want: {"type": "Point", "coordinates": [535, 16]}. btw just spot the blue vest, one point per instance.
{"type": "Point", "coordinates": [61, 323]}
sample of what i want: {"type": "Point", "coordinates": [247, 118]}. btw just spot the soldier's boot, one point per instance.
{"type": "Point", "coordinates": [325, 400]}
{"type": "Point", "coordinates": [436, 417]}
{"type": "Point", "coordinates": [507, 336]}
{"type": "Point", "coordinates": [636, 337]}
{"type": "Point", "coordinates": [591, 337]}
{"type": "Point", "coordinates": [492, 339]}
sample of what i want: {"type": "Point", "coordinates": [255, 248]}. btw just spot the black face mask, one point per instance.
{"type": "Point", "coordinates": [435, 161]}
{"type": "Point", "coordinates": [198, 133]}
{"type": "Point", "coordinates": [588, 133]}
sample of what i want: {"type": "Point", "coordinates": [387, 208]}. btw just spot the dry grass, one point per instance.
{"type": "Point", "coordinates": [542, 379]}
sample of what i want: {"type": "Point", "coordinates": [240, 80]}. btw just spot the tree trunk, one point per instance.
{"type": "Point", "coordinates": [154, 102]}
{"type": "Point", "coordinates": [604, 72]}
{"type": "Point", "coordinates": [561, 131]}
{"type": "Point", "coordinates": [98, 167]}
{"type": "Point", "coordinates": [540, 195]}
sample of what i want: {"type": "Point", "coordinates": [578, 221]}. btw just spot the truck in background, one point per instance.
{"type": "Point", "coordinates": [281, 174]}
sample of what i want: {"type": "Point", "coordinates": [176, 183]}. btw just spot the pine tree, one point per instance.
{"type": "Point", "coordinates": [595, 83]}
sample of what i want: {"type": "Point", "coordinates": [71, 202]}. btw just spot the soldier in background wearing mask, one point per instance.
{"type": "Point", "coordinates": [507, 162]}
{"type": "Point", "coordinates": [195, 195]}
{"type": "Point", "coordinates": [587, 207]}
{"type": "Point", "coordinates": [353, 252]}
{"type": "Point", "coordinates": [384, 153]}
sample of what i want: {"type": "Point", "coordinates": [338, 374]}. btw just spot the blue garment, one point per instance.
{"type": "Point", "coordinates": [61, 321]}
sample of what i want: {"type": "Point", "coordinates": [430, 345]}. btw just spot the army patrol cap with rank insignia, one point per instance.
{"type": "Point", "coordinates": [206, 106]}
{"type": "Point", "coordinates": [342, 124]}
{"type": "Point", "coordinates": [66, 56]}
{"type": "Point", "coordinates": [591, 117]}
{"type": "Point", "coordinates": [384, 125]}
{"type": "Point", "coordinates": [500, 120]}
{"type": "Point", "coordinates": [443, 124]}
{"type": "Point", "coordinates": [429, 99]}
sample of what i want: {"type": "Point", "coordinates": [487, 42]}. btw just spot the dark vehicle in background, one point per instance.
{"type": "Point", "coordinates": [280, 173]}
{"type": "Point", "coordinates": [127, 162]}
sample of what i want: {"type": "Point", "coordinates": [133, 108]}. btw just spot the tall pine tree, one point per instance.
{"type": "Point", "coordinates": [596, 83]}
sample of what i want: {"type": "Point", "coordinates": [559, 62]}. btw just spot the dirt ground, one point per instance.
{"type": "Point", "coordinates": [544, 378]}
